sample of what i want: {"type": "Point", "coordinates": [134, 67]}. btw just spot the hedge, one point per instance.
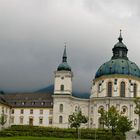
{"type": "Point", "coordinates": [26, 130]}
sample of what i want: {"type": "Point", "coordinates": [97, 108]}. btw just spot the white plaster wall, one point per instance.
{"type": "Point", "coordinates": [99, 98]}
{"type": "Point", "coordinates": [7, 113]}
{"type": "Point", "coordinates": [36, 115]}
{"type": "Point", "coordinates": [119, 103]}
{"type": "Point", "coordinates": [69, 104]}
{"type": "Point", "coordinates": [116, 87]}
{"type": "Point", "coordinates": [67, 82]}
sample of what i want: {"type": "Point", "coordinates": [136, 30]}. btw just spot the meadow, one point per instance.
{"type": "Point", "coordinates": [34, 138]}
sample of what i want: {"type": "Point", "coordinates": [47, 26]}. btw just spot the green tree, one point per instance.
{"type": "Point", "coordinates": [115, 121]}
{"type": "Point", "coordinates": [76, 119]}
{"type": "Point", "coordinates": [110, 118]}
{"type": "Point", "coordinates": [137, 110]}
{"type": "Point", "coordinates": [124, 124]}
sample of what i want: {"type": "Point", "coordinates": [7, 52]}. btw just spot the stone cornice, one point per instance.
{"type": "Point", "coordinates": [116, 76]}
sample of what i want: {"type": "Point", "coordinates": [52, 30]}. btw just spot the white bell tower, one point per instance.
{"type": "Point", "coordinates": [62, 93]}
{"type": "Point", "coordinates": [63, 77]}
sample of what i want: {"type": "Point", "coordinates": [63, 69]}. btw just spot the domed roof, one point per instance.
{"type": "Point", "coordinates": [118, 66]}
{"type": "Point", "coordinates": [119, 63]}
{"type": "Point", "coordinates": [64, 65]}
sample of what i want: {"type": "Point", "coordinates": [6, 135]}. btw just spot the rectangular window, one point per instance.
{"type": "Point", "coordinates": [41, 111]}
{"type": "Point", "coordinates": [31, 111]}
{"type": "Point", "coordinates": [61, 107]}
{"type": "Point", "coordinates": [22, 111]}
{"type": "Point", "coordinates": [13, 111]}
{"type": "Point", "coordinates": [21, 120]}
{"type": "Point", "coordinates": [99, 87]}
{"type": "Point", "coordinates": [40, 120]}
{"type": "Point", "coordinates": [12, 119]}
{"type": "Point", "coordinates": [50, 120]}
{"type": "Point", "coordinates": [6, 109]}
{"type": "Point", "coordinates": [92, 110]}
{"type": "Point", "coordinates": [51, 112]}
{"type": "Point", "coordinates": [2, 109]}
{"type": "Point", "coordinates": [91, 121]}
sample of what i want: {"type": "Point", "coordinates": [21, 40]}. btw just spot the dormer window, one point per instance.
{"type": "Point", "coordinates": [32, 103]}
{"type": "Point", "coordinates": [42, 103]}
{"type": "Point", "coordinates": [23, 103]}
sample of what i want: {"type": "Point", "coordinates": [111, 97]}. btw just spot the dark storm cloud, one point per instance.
{"type": "Point", "coordinates": [33, 32]}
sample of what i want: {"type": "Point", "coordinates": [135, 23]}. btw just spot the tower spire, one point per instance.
{"type": "Point", "coordinates": [120, 50]}
{"type": "Point", "coordinates": [64, 59]}
{"type": "Point", "coordinates": [120, 37]}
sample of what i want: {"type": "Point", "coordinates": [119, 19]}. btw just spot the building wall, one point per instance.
{"type": "Point", "coordinates": [99, 86]}
{"type": "Point", "coordinates": [99, 97]}
{"type": "Point", "coordinates": [63, 78]}
{"type": "Point", "coordinates": [16, 116]}
{"type": "Point", "coordinates": [120, 104]}
{"type": "Point", "coordinates": [5, 109]}
{"type": "Point", "coordinates": [70, 105]}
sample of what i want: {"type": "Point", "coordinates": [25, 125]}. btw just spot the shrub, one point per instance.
{"type": "Point", "coordinates": [25, 130]}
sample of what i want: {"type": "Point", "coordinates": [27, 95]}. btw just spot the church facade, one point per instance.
{"type": "Point", "coordinates": [116, 82]}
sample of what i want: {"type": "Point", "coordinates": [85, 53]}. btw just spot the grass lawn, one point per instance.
{"type": "Point", "coordinates": [33, 138]}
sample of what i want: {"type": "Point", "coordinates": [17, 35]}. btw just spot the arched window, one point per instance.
{"type": "Point", "coordinates": [61, 108]}
{"type": "Point", "coordinates": [100, 123]}
{"type": "Point", "coordinates": [60, 119]}
{"type": "Point", "coordinates": [124, 110]}
{"type": "Point", "coordinates": [135, 90]}
{"type": "Point", "coordinates": [62, 87]}
{"type": "Point", "coordinates": [76, 108]}
{"type": "Point", "coordinates": [92, 110]}
{"type": "Point", "coordinates": [109, 91]}
{"type": "Point", "coordinates": [91, 121]}
{"type": "Point", "coordinates": [101, 108]}
{"type": "Point", "coordinates": [99, 87]}
{"type": "Point", "coordinates": [122, 89]}
{"type": "Point", "coordinates": [135, 122]}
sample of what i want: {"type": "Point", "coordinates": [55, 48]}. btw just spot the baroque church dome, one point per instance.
{"type": "Point", "coordinates": [119, 63]}
{"type": "Point", "coordinates": [64, 65]}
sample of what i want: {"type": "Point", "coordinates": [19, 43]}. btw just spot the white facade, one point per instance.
{"type": "Point", "coordinates": [31, 116]}
{"type": "Point", "coordinates": [107, 89]}
{"type": "Point", "coordinates": [98, 99]}
{"type": "Point", "coordinates": [117, 83]}
{"type": "Point", "coordinates": [63, 82]}
{"type": "Point", "coordinates": [65, 105]}
{"type": "Point", "coordinates": [5, 110]}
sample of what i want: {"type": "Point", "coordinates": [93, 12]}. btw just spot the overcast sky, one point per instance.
{"type": "Point", "coordinates": [33, 32]}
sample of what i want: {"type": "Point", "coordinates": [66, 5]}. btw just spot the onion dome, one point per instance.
{"type": "Point", "coordinates": [119, 63]}
{"type": "Point", "coordinates": [64, 65]}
